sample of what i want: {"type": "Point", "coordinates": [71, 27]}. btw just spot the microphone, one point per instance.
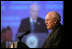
{"type": "Point", "coordinates": [25, 33]}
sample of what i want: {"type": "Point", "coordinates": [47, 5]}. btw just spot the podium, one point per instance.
{"type": "Point", "coordinates": [18, 45]}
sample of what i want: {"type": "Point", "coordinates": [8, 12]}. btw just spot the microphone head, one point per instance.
{"type": "Point", "coordinates": [24, 33]}
{"type": "Point", "coordinates": [27, 32]}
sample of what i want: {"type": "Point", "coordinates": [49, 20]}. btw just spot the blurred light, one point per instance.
{"type": "Point", "coordinates": [21, 2]}
{"type": "Point", "coordinates": [3, 7]}
{"type": "Point", "coordinates": [24, 2]}
{"type": "Point", "coordinates": [54, 6]}
{"type": "Point", "coordinates": [10, 18]}
{"type": "Point", "coordinates": [18, 7]}
{"type": "Point", "coordinates": [32, 41]}
{"type": "Point", "coordinates": [55, 2]}
{"type": "Point", "coordinates": [13, 24]}
{"type": "Point", "coordinates": [2, 2]}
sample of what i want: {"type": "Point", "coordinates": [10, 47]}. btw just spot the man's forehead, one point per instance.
{"type": "Point", "coordinates": [48, 16]}
{"type": "Point", "coordinates": [34, 6]}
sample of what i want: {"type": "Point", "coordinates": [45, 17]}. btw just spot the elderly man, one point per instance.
{"type": "Point", "coordinates": [55, 39]}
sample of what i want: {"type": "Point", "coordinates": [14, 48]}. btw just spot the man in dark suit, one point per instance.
{"type": "Point", "coordinates": [33, 23]}
{"type": "Point", "coordinates": [56, 37]}
{"type": "Point", "coordinates": [26, 25]}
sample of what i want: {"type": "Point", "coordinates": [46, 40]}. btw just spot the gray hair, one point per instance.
{"type": "Point", "coordinates": [56, 15]}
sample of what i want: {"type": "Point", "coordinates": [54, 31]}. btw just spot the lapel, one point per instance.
{"type": "Point", "coordinates": [49, 40]}
{"type": "Point", "coordinates": [51, 36]}
{"type": "Point", "coordinates": [28, 24]}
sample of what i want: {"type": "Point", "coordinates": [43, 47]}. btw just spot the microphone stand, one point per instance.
{"type": "Point", "coordinates": [21, 44]}
{"type": "Point", "coordinates": [20, 37]}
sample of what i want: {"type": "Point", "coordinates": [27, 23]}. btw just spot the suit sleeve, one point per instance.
{"type": "Point", "coordinates": [21, 27]}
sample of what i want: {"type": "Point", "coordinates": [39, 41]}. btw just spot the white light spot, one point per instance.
{"type": "Point", "coordinates": [32, 41]}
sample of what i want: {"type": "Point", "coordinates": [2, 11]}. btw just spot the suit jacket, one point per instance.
{"type": "Point", "coordinates": [39, 25]}
{"type": "Point", "coordinates": [56, 38]}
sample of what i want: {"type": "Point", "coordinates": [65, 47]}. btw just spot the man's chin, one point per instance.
{"type": "Point", "coordinates": [48, 28]}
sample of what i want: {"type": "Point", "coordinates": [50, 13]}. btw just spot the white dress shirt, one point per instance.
{"type": "Point", "coordinates": [31, 20]}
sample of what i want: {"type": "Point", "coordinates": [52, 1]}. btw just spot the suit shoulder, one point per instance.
{"type": "Point", "coordinates": [26, 19]}
{"type": "Point", "coordinates": [41, 19]}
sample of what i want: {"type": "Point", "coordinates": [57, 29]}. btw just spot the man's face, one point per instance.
{"type": "Point", "coordinates": [50, 22]}
{"type": "Point", "coordinates": [8, 35]}
{"type": "Point", "coordinates": [34, 12]}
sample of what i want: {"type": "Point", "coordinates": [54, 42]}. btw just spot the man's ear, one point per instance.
{"type": "Point", "coordinates": [55, 21]}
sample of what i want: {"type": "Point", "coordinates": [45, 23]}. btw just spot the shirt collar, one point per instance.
{"type": "Point", "coordinates": [31, 20]}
